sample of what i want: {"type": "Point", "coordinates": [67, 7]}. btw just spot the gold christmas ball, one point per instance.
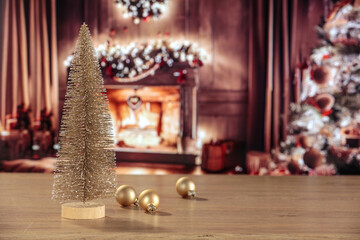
{"type": "Point", "coordinates": [125, 195]}
{"type": "Point", "coordinates": [185, 187]}
{"type": "Point", "coordinates": [307, 141]}
{"type": "Point", "coordinates": [325, 101]}
{"type": "Point", "coordinates": [313, 158]}
{"type": "Point", "coordinates": [321, 75]}
{"type": "Point", "coordinates": [294, 167]}
{"type": "Point", "coordinates": [149, 200]}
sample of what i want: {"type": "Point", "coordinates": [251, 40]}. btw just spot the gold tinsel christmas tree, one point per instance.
{"type": "Point", "coordinates": [85, 167]}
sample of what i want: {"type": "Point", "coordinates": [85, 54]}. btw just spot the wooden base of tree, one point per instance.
{"type": "Point", "coordinates": [80, 210]}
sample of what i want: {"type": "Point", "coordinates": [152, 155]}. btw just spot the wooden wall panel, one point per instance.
{"type": "Point", "coordinates": [222, 98]}
{"type": "Point", "coordinates": [222, 109]}
{"type": "Point", "coordinates": [222, 127]}
{"type": "Point", "coordinates": [230, 27]}
{"type": "Point", "coordinates": [223, 32]}
{"type": "Point", "coordinates": [192, 22]}
{"type": "Point", "coordinates": [205, 36]}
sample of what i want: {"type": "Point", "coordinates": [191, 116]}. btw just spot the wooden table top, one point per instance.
{"type": "Point", "coordinates": [229, 207]}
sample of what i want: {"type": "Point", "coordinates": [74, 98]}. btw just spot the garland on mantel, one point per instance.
{"type": "Point", "coordinates": [137, 61]}
{"type": "Point", "coordinates": [142, 9]}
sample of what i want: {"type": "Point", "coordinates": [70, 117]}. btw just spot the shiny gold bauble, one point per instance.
{"type": "Point", "coordinates": [126, 195]}
{"type": "Point", "coordinates": [294, 167]}
{"type": "Point", "coordinates": [307, 141]}
{"type": "Point", "coordinates": [321, 76]}
{"type": "Point", "coordinates": [149, 200]}
{"type": "Point", "coordinates": [325, 101]}
{"type": "Point", "coordinates": [313, 158]}
{"type": "Point", "coordinates": [185, 187]}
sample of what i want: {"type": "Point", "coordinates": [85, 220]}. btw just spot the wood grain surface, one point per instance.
{"type": "Point", "coordinates": [228, 207]}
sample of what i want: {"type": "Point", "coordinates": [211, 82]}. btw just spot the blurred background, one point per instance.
{"type": "Point", "coordinates": [195, 86]}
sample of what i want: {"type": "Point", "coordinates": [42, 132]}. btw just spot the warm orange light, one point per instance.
{"type": "Point", "coordinates": [154, 124]}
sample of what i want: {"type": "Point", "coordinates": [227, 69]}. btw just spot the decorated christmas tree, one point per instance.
{"type": "Point", "coordinates": [85, 168]}
{"type": "Point", "coordinates": [323, 132]}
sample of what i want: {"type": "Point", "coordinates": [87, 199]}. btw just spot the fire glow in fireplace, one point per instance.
{"type": "Point", "coordinates": [146, 118]}
{"type": "Point", "coordinates": [155, 118]}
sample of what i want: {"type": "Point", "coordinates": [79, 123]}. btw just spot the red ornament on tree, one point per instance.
{"type": "Point", "coordinates": [112, 32]}
{"type": "Point", "coordinates": [326, 56]}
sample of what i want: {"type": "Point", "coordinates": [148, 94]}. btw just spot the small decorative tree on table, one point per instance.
{"type": "Point", "coordinates": [85, 168]}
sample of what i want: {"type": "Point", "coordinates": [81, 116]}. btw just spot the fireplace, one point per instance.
{"type": "Point", "coordinates": [155, 118]}
{"type": "Point", "coordinates": [151, 121]}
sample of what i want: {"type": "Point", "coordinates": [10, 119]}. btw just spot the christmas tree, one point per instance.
{"type": "Point", "coordinates": [85, 168]}
{"type": "Point", "coordinates": [324, 128]}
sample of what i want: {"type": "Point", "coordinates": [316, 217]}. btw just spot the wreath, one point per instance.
{"type": "Point", "coordinates": [142, 9]}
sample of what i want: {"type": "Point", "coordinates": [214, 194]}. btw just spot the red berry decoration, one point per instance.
{"type": "Point", "coordinates": [109, 71]}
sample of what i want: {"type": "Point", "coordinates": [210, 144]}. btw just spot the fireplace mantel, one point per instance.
{"type": "Point", "coordinates": [162, 77]}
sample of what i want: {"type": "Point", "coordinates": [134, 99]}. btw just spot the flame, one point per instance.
{"type": "Point", "coordinates": [143, 118]}
{"type": "Point", "coordinates": [152, 125]}
{"type": "Point", "coordinates": [131, 120]}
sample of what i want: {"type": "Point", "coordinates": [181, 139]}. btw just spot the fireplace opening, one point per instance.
{"type": "Point", "coordinates": [146, 118]}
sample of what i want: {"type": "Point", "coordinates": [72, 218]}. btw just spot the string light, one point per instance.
{"type": "Point", "coordinates": [136, 61]}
